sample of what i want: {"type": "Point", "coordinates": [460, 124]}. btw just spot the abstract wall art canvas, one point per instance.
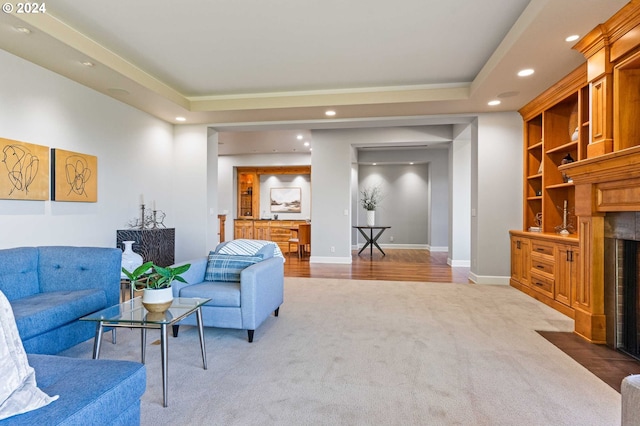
{"type": "Point", "coordinates": [24, 171]}
{"type": "Point", "coordinates": [74, 176]}
{"type": "Point", "coordinates": [286, 200]}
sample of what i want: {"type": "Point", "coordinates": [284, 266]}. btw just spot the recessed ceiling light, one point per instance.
{"type": "Point", "coordinates": [494, 102]}
{"type": "Point", "coordinates": [525, 72]}
{"type": "Point", "coordinates": [374, 164]}
{"type": "Point", "coordinates": [306, 144]}
{"type": "Point", "coordinates": [572, 38]}
{"type": "Point", "coordinates": [299, 137]}
{"type": "Point", "coordinates": [411, 163]}
{"type": "Point", "coordinates": [23, 30]}
{"type": "Point", "coordinates": [181, 119]}
{"type": "Point", "coordinates": [330, 113]}
{"type": "Point", "coordinates": [88, 64]}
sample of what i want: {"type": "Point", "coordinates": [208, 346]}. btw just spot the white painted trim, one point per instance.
{"type": "Point", "coordinates": [437, 249]}
{"type": "Point", "coordinates": [326, 259]}
{"type": "Point", "coordinates": [458, 263]}
{"type": "Point", "coordinates": [488, 279]}
{"type": "Point", "coordinates": [403, 246]}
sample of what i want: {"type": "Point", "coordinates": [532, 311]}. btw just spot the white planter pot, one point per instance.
{"type": "Point", "coordinates": [371, 217]}
{"type": "Point", "coordinates": [157, 299]}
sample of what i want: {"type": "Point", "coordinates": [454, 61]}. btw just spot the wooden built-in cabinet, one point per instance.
{"type": "Point", "coordinates": [545, 266]}
{"type": "Point", "coordinates": [278, 231]}
{"type": "Point", "coordinates": [602, 100]}
{"type": "Point", "coordinates": [248, 194]}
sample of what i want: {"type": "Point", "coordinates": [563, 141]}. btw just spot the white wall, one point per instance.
{"type": "Point", "coordinates": [267, 182]}
{"type": "Point", "coordinates": [136, 155]}
{"type": "Point", "coordinates": [498, 195]}
{"type": "Point", "coordinates": [460, 199]}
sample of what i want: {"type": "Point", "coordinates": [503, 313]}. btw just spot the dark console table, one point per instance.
{"type": "Point", "coordinates": [371, 240]}
{"type": "Point", "coordinates": [156, 245]}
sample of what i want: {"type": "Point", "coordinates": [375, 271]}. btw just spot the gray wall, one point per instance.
{"type": "Point", "coordinates": [416, 202]}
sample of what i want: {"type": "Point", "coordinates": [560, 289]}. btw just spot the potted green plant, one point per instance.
{"type": "Point", "coordinates": [155, 282]}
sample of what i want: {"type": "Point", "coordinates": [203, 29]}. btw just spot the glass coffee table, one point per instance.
{"type": "Point", "coordinates": [131, 314]}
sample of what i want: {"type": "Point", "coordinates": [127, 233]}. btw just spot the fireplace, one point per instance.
{"type": "Point", "coordinates": [622, 281]}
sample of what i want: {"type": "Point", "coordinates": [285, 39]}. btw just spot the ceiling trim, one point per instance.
{"type": "Point", "coordinates": [60, 31]}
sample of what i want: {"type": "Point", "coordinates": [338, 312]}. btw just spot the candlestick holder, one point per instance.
{"type": "Point", "coordinates": [155, 220]}
{"type": "Point", "coordinates": [566, 228]}
{"type": "Point", "coordinates": [141, 216]}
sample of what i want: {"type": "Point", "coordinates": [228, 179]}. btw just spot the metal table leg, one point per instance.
{"type": "Point", "coordinates": [201, 334]}
{"type": "Point", "coordinates": [97, 342]}
{"type": "Point", "coordinates": [165, 362]}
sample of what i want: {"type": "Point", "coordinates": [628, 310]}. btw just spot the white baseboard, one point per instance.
{"type": "Point", "coordinates": [488, 279]}
{"type": "Point", "coordinates": [458, 263]}
{"type": "Point", "coordinates": [325, 259]}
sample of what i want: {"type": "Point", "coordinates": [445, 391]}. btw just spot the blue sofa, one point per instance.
{"type": "Point", "coordinates": [49, 289]}
{"type": "Point", "coordinates": [92, 392]}
{"type": "Point", "coordinates": [243, 304]}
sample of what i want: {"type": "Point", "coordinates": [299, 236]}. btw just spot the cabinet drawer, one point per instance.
{"type": "Point", "coordinates": [541, 283]}
{"type": "Point", "coordinates": [542, 264]}
{"type": "Point", "coordinates": [542, 248]}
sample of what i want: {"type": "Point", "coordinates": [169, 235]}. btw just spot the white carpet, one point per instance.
{"type": "Point", "coordinates": [348, 352]}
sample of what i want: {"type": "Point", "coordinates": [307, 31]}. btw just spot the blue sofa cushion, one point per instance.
{"type": "Point", "coordinates": [92, 392]}
{"type": "Point", "coordinates": [19, 272]}
{"type": "Point", "coordinates": [43, 312]}
{"type": "Point", "coordinates": [221, 293]}
{"type": "Point", "coordinates": [227, 268]}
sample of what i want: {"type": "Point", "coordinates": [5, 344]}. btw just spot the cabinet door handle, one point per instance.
{"type": "Point", "coordinates": [518, 245]}
{"type": "Point", "coordinates": [538, 284]}
{"type": "Point", "coordinates": [540, 249]}
{"type": "Point", "coordinates": [540, 266]}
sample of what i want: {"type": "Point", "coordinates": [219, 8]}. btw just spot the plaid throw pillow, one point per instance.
{"type": "Point", "coordinates": [223, 267]}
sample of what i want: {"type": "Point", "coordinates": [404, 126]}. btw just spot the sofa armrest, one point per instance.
{"type": "Point", "coordinates": [261, 291]}
{"type": "Point", "coordinates": [194, 275]}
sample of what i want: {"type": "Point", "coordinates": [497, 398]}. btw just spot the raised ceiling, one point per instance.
{"type": "Point", "coordinates": [222, 62]}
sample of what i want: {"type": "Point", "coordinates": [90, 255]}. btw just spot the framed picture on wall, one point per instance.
{"type": "Point", "coordinates": [286, 200]}
{"type": "Point", "coordinates": [24, 171]}
{"type": "Point", "coordinates": [74, 176]}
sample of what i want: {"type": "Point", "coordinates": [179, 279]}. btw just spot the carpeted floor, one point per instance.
{"type": "Point", "coordinates": [348, 352]}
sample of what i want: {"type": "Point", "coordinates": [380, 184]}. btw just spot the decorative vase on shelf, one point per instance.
{"type": "Point", "coordinates": [574, 136]}
{"type": "Point", "coordinates": [130, 259]}
{"type": "Point", "coordinates": [157, 299]}
{"type": "Point", "coordinates": [371, 217]}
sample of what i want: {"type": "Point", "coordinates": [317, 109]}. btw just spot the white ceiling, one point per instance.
{"type": "Point", "coordinates": [228, 63]}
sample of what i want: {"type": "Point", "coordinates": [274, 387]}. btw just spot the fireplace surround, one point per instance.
{"type": "Point", "coordinates": [622, 281]}
{"type": "Point", "coordinates": [607, 192]}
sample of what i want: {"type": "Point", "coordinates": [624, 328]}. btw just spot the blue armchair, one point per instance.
{"type": "Point", "coordinates": [243, 302]}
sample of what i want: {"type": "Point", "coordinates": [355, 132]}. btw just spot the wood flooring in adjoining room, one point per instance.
{"type": "Point", "coordinates": [397, 265]}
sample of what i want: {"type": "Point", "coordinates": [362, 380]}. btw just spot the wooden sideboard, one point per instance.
{"type": "Point", "coordinates": [278, 231]}
{"type": "Point", "coordinates": [156, 245]}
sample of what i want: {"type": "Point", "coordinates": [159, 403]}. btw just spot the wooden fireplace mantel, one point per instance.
{"type": "Point", "coordinates": [608, 183]}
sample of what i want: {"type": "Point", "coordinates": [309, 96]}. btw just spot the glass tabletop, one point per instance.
{"type": "Point", "coordinates": [132, 312]}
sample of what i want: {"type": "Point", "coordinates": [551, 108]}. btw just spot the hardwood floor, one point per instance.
{"type": "Point", "coordinates": [397, 265]}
